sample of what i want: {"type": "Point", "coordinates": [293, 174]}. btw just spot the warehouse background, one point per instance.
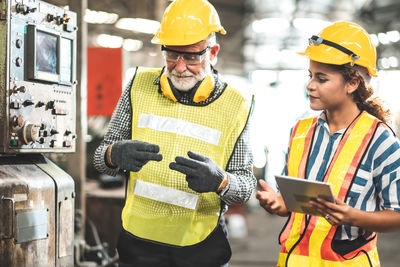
{"type": "Point", "coordinates": [258, 54]}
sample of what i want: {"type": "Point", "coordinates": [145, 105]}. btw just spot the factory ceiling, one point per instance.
{"type": "Point", "coordinates": [238, 17]}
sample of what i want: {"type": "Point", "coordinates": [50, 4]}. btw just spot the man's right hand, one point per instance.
{"type": "Point", "coordinates": [132, 155]}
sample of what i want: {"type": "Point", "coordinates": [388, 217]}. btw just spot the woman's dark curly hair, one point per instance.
{"type": "Point", "coordinates": [362, 96]}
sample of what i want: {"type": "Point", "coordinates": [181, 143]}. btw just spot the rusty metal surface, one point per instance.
{"type": "Point", "coordinates": [35, 183]}
{"type": "Point", "coordinates": [31, 189]}
{"type": "Point", "coordinates": [65, 199]}
{"type": "Point", "coordinates": [66, 230]}
{"type": "Point", "coordinates": [30, 184]}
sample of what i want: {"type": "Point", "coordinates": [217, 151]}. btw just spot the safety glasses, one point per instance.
{"type": "Point", "coordinates": [317, 40]}
{"type": "Point", "coordinates": [190, 58]}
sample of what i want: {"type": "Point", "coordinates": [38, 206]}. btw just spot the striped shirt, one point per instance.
{"type": "Point", "coordinates": [376, 185]}
{"type": "Point", "coordinates": [240, 175]}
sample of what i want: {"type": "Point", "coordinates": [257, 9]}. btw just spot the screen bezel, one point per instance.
{"type": "Point", "coordinates": [72, 54]}
{"type": "Point", "coordinates": [32, 72]}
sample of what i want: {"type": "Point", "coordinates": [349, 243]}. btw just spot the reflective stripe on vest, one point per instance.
{"type": "Point", "coordinates": [164, 209]}
{"type": "Point", "coordinates": [309, 243]}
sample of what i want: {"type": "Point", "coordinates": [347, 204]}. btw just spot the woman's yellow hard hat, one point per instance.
{"type": "Point", "coordinates": [187, 22]}
{"type": "Point", "coordinates": [341, 43]}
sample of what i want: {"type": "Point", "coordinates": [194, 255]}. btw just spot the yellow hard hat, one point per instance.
{"type": "Point", "coordinates": [187, 22]}
{"type": "Point", "coordinates": [341, 43]}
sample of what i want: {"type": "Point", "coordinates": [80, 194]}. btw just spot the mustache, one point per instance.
{"type": "Point", "coordinates": [184, 74]}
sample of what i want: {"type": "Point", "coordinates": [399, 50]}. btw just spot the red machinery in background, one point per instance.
{"type": "Point", "coordinates": [104, 80]}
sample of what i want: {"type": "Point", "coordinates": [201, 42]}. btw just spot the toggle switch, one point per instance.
{"type": "Point", "coordinates": [27, 103]}
{"type": "Point", "coordinates": [67, 132]}
{"type": "Point", "coordinates": [40, 104]}
{"type": "Point", "coordinates": [50, 104]}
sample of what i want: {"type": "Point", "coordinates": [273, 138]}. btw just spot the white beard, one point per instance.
{"type": "Point", "coordinates": [187, 80]}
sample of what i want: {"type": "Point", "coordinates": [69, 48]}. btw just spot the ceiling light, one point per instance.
{"type": "Point", "coordinates": [383, 38]}
{"type": "Point", "coordinates": [132, 45]}
{"type": "Point", "coordinates": [384, 62]}
{"type": "Point", "coordinates": [270, 25]}
{"type": "Point", "coordinates": [110, 41]}
{"type": "Point", "coordinates": [138, 25]}
{"type": "Point", "coordinates": [393, 36]}
{"type": "Point", "coordinates": [267, 55]}
{"type": "Point", "coordinates": [100, 17]}
{"type": "Point", "coordinates": [310, 25]}
{"type": "Point", "coordinates": [393, 62]}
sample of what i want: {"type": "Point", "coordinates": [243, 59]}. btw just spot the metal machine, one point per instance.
{"type": "Point", "coordinates": [37, 115]}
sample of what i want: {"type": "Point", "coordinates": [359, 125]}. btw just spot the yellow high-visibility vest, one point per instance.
{"type": "Point", "coordinates": [159, 205]}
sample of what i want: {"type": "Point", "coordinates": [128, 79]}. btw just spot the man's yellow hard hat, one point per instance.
{"type": "Point", "coordinates": [187, 22]}
{"type": "Point", "coordinates": [341, 43]}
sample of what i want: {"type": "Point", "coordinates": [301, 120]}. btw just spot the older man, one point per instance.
{"type": "Point", "coordinates": [182, 136]}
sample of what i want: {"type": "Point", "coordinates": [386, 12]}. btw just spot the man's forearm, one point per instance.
{"type": "Point", "coordinates": [240, 187]}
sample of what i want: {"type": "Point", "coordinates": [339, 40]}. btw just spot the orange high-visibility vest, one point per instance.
{"type": "Point", "coordinates": [308, 242]}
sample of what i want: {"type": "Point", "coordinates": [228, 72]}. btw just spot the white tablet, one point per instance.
{"type": "Point", "coordinates": [297, 192]}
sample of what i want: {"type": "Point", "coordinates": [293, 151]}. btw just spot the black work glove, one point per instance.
{"type": "Point", "coordinates": [202, 174]}
{"type": "Point", "coordinates": [131, 155]}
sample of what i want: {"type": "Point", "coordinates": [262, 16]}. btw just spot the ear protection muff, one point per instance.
{"type": "Point", "coordinates": [166, 88]}
{"type": "Point", "coordinates": [202, 92]}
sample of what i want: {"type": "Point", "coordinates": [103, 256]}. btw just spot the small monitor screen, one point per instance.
{"type": "Point", "coordinates": [46, 52]}
{"type": "Point", "coordinates": [65, 60]}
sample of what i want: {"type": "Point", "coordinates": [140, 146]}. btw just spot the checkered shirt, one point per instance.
{"type": "Point", "coordinates": [240, 176]}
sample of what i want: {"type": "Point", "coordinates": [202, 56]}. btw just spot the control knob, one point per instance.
{"type": "Point", "coordinates": [17, 121]}
{"type": "Point", "coordinates": [24, 9]}
{"type": "Point", "coordinates": [62, 19]}
{"type": "Point", "coordinates": [18, 43]}
{"type": "Point", "coordinates": [18, 62]}
{"type": "Point", "coordinates": [20, 89]}
{"type": "Point", "coordinates": [14, 121]}
{"type": "Point", "coordinates": [21, 8]}
{"type": "Point", "coordinates": [30, 133]}
{"type": "Point", "coordinates": [50, 17]}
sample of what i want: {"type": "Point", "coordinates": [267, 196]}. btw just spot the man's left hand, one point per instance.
{"type": "Point", "coordinates": [202, 174]}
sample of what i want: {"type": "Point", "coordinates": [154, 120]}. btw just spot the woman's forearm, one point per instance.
{"type": "Point", "coordinates": [377, 221]}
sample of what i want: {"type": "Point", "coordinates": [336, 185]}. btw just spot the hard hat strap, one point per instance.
{"type": "Point", "coordinates": [317, 40]}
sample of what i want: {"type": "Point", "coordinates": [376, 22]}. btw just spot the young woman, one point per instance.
{"type": "Point", "coordinates": [349, 146]}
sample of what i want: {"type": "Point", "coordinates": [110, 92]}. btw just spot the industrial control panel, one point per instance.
{"type": "Point", "coordinates": [37, 77]}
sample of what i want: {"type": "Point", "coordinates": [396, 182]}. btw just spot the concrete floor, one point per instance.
{"type": "Point", "coordinates": [261, 248]}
